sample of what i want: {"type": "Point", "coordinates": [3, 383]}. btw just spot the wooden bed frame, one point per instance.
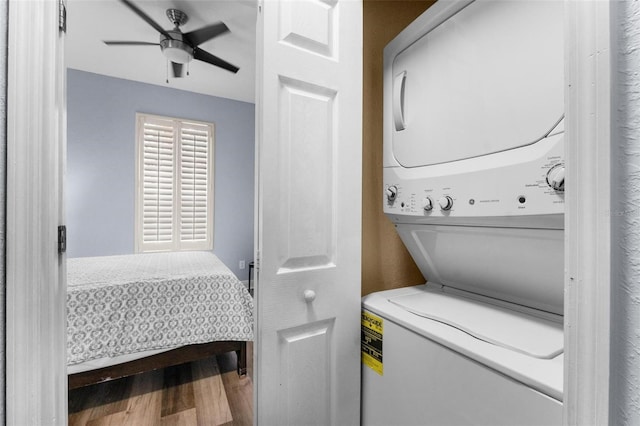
{"type": "Point", "coordinates": [164, 359]}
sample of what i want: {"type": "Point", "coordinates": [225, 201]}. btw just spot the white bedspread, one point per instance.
{"type": "Point", "coordinates": [119, 305]}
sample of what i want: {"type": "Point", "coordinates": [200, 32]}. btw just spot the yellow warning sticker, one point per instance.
{"type": "Point", "coordinates": [371, 343]}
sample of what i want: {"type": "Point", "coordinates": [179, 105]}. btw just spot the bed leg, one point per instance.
{"type": "Point", "coordinates": [242, 359]}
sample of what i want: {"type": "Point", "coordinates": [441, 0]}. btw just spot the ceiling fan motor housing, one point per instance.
{"type": "Point", "coordinates": [175, 48]}
{"type": "Point", "coordinates": [177, 17]}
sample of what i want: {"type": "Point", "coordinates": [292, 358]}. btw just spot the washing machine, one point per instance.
{"type": "Point", "coordinates": [474, 183]}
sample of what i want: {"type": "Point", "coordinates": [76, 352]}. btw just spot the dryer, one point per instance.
{"type": "Point", "coordinates": [474, 183]}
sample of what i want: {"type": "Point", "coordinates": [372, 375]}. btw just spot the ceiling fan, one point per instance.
{"type": "Point", "coordinates": [180, 48]}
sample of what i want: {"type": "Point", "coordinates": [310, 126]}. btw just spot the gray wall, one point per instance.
{"type": "Point", "coordinates": [100, 186]}
{"type": "Point", "coordinates": [625, 224]}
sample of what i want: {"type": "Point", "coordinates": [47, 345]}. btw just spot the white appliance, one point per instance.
{"type": "Point", "coordinates": [474, 183]}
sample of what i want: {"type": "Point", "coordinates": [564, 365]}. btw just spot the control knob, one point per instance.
{"type": "Point", "coordinates": [392, 193]}
{"type": "Point", "coordinates": [555, 177]}
{"type": "Point", "coordinates": [427, 204]}
{"type": "Point", "coordinates": [445, 203]}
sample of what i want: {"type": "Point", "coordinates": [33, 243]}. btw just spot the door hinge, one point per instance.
{"type": "Point", "coordinates": [62, 16]}
{"type": "Point", "coordinates": [62, 239]}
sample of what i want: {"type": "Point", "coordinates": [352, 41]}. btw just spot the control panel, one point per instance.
{"type": "Point", "coordinates": [522, 182]}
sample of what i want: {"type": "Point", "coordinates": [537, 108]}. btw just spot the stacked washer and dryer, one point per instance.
{"type": "Point", "coordinates": [474, 183]}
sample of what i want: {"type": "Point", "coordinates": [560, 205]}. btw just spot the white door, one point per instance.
{"type": "Point", "coordinates": [36, 380]}
{"type": "Point", "coordinates": [309, 128]}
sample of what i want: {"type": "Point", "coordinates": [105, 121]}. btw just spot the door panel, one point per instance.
{"type": "Point", "coordinates": [307, 176]}
{"type": "Point", "coordinates": [309, 217]}
{"type": "Point", "coordinates": [309, 25]}
{"type": "Point", "coordinates": [306, 349]}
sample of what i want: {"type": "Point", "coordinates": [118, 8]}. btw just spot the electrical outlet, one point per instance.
{"type": "Point", "coordinates": [241, 264]}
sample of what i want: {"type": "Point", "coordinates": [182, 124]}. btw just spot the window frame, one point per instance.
{"type": "Point", "coordinates": [176, 244]}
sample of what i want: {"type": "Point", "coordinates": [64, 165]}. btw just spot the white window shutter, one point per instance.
{"type": "Point", "coordinates": [157, 183]}
{"type": "Point", "coordinates": [175, 185]}
{"type": "Point", "coordinates": [195, 180]}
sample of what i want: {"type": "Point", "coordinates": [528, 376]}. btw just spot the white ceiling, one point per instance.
{"type": "Point", "coordinates": [89, 22]}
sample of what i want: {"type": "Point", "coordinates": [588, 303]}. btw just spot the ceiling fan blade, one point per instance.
{"type": "Point", "coordinates": [203, 34]}
{"type": "Point", "coordinates": [207, 57]}
{"type": "Point", "coordinates": [129, 43]}
{"type": "Point", "coordinates": [177, 69]}
{"type": "Point", "coordinates": [146, 18]}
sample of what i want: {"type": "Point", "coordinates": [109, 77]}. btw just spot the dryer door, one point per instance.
{"type": "Point", "coordinates": [488, 79]}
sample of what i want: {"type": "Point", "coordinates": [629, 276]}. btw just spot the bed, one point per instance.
{"type": "Point", "coordinates": [134, 313]}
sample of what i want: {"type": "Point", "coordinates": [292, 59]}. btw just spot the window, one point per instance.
{"type": "Point", "coordinates": [174, 184]}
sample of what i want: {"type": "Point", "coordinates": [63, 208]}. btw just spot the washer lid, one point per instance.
{"type": "Point", "coordinates": [498, 325]}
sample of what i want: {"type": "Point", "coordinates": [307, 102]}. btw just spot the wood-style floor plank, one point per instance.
{"type": "Point", "coordinates": [114, 419]}
{"type": "Point", "coordinates": [113, 397]}
{"type": "Point", "coordinates": [210, 396]}
{"type": "Point", "coordinates": [145, 402]}
{"type": "Point", "coordinates": [182, 418]}
{"type": "Point", "coordinates": [206, 392]}
{"type": "Point", "coordinates": [239, 391]}
{"type": "Point", "coordinates": [240, 396]}
{"type": "Point", "coordinates": [177, 392]}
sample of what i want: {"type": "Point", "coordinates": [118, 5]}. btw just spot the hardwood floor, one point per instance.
{"type": "Point", "coordinates": [207, 392]}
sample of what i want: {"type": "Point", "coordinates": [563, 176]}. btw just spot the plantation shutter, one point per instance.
{"type": "Point", "coordinates": [194, 183]}
{"type": "Point", "coordinates": [174, 185]}
{"type": "Point", "coordinates": [157, 191]}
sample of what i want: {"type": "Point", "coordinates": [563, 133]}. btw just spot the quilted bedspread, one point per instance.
{"type": "Point", "coordinates": [119, 305]}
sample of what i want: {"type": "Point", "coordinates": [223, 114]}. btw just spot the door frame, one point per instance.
{"type": "Point", "coordinates": [589, 29]}
{"type": "Point", "coordinates": [36, 382]}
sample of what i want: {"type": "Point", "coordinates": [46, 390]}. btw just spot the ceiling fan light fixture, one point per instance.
{"type": "Point", "coordinates": [176, 51]}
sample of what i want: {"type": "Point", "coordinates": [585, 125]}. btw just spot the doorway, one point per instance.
{"type": "Point", "coordinates": [107, 85]}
